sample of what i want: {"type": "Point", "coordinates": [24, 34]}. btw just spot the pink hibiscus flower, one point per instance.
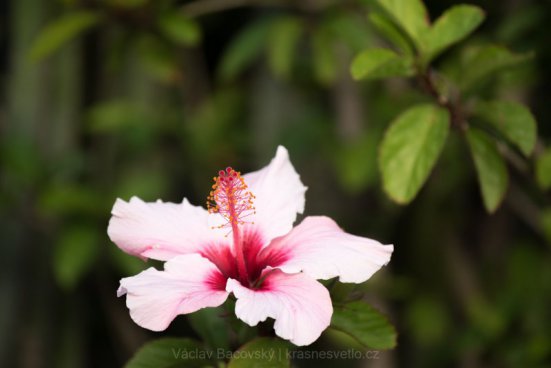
{"type": "Point", "coordinates": [243, 244]}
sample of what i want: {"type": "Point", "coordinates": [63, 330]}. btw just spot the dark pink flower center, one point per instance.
{"type": "Point", "coordinates": [256, 259]}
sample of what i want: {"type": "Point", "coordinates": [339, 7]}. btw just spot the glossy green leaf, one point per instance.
{"type": "Point", "coordinates": [212, 325]}
{"type": "Point", "coordinates": [451, 27]}
{"type": "Point", "coordinates": [180, 28]}
{"type": "Point", "coordinates": [410, 148]}
{"type": "Point", "coordinates": [482, 63]}
{"type": "Point", "coordinates": [543, 169]}
{"type": "Point", "coordinates": [391, 32]}
{"type": "Point", "coordinates": [380, 63]}
{"type": "Point", "coordinates": [62, 30]}
{"type": "Point", "coordinates": [411, 15]}
{"type": "Point", "coordinates": [490, 167]}
{"type": "Point", "coordinates": [284, 36]}
{"type": "Point", "coordinates": [262, 352]}
{"type": "Point", "coordinates": [365, 324]}
{"type": "Point", "coordinates": [513, 120]}
{"type": "Point", "coordinates": [244, 49]}
{"type": "Point", "coordinates": [74, 254]}
{"type": "Point", "coordinates": [171, 353]}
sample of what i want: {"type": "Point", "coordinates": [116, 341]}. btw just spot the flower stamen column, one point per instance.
{"type": "Point", "coordinates": [231, 199]}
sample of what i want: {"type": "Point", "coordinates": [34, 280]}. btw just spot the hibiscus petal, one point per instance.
{"type": "Point", "coordinates": [322, 250]}
{"type": "Point", "coordinates": [160, 230]}
{"type": "Point", "coordinates": [300, 305]}
{"type": "Point", "coordinates": [279, 195]}
{"type": "Point", "coordinates": [188, 283]}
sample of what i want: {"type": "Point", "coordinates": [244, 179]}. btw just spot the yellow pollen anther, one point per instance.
{"type": "Point", "coordinates": [230, 198]}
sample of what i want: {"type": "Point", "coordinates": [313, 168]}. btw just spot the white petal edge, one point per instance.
{"type": "Point", "coordinates": [321, 249]}
{"type": "Point", "coordinates": [280, 195]}
{"type": "Point", "coordinates": [300, 305]}
{"type": "Point", "coordinates": [187, 284]}
{"type": "Point", "coordinates": [160, 230]}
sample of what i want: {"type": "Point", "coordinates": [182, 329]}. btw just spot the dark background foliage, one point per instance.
{"type": "Point", "coordinates": [119, 101]}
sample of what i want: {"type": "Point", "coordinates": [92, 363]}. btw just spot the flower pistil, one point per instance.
{"type": "Point", "coordinates": [231, 199]}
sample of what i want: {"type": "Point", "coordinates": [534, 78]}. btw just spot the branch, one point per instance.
{"type": "Point", "coordinates": [457, 116]}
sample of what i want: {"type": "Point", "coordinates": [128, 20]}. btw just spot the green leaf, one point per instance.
{"type": "Point", "coordinates": [452, 26]}
{"type": "Point", "coordinates": [171, 353]}
{"type": "Point", "coordinates": [543, 169]}
{"type": "Point", "coordinates": [244, 49]}
{"type": "Point", "coordinates": [513, 120]}
{"type": "Point", "coordinates": [74, 255]}
{"type": "Point", "coordinates": [325, 63]}
{"type": "Point", "coordinates": [411, 15]}
{"type": "Point", "coordinates": [180, 28]}
{"type": "Point", "coordinates": [365, 324]}
{"type": "Point", "coordinates": [391, 32]}
{"type": "Point", "coordinates": [241, 333]}
{"type": "Point", "coordinates": [380, 63]}
{"type": "Point", "coordinates": [410, 148]}
{"type": "Point", "coordinates": [284, 36]}
{"type": "Point", "coordinates": [484, 62]}
{"type": "Point", "coordinates": [62, 30]}
{"type": "Point", "coordinates": [263, 352]}
{"type": "Point", "coordinates": [212, 325]}
{"type": "Point", "coordinates": [491, 169]}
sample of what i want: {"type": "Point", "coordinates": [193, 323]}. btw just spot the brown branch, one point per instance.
{"type": "Point", "coordinates": [457, 115]}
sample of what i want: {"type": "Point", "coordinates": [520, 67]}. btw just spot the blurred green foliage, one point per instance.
{"type": "Point", "coordinates": [115, 98]}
